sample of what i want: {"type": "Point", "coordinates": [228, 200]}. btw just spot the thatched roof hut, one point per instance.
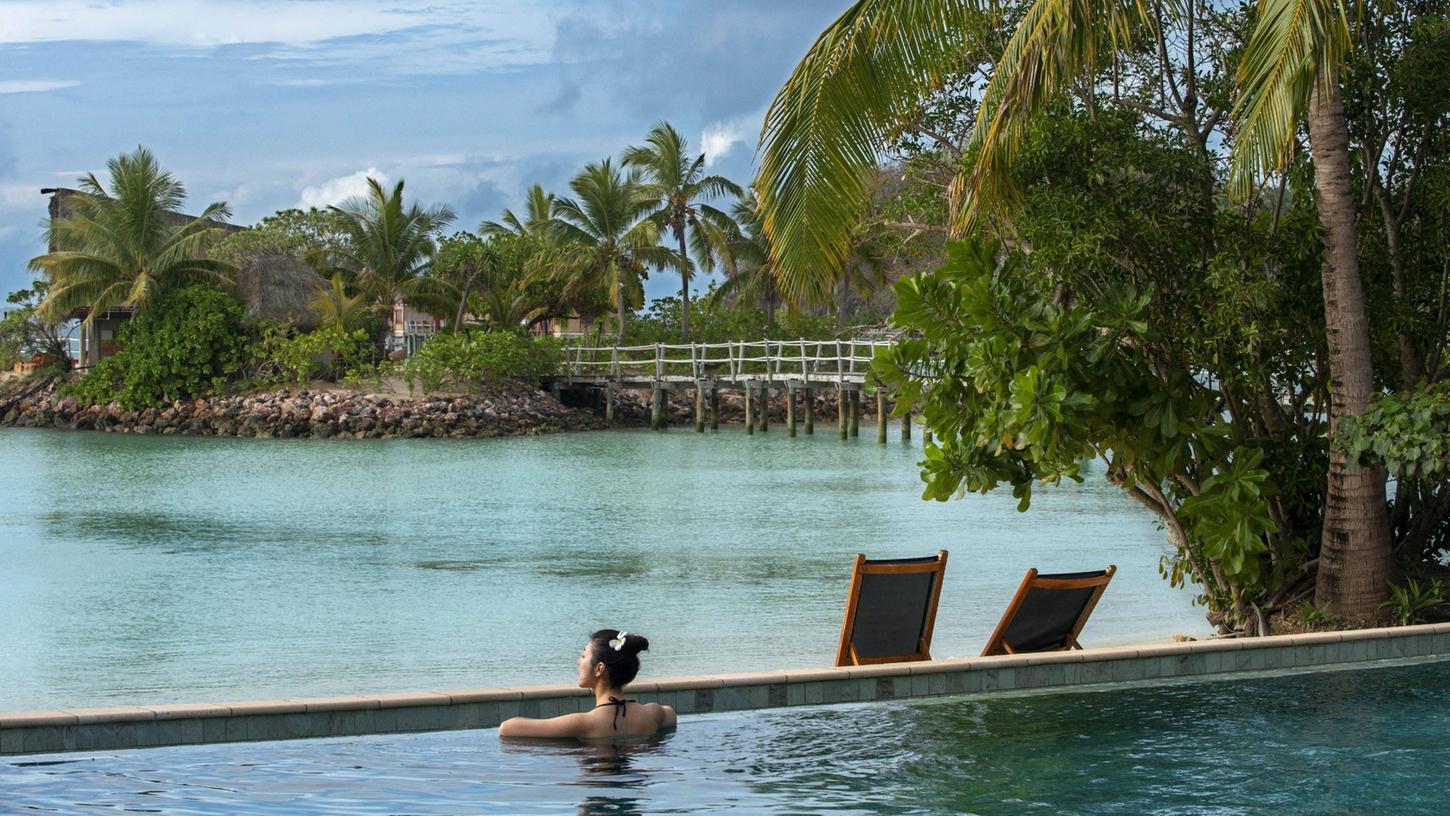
{"type": "Point", "coordinates": [280, 288]}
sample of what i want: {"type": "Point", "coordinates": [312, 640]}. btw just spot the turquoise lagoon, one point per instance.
{"type": "Point", "coordinates": [165, 569]}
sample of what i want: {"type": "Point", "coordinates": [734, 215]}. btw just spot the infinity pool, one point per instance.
{"type": "Point", "coordinates": [1354, 741]}
{"type": "Point", "coordinates": [146, 570]}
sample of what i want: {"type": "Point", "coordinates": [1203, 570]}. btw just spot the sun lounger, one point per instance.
{"type": "Point", "coordinates": [1048, 612]}
{"type": "Point", "coordinates": [890, 610]}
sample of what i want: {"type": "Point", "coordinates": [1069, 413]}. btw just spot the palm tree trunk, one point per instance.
{"type": "Point", "coordinates": [1355, 551]}
{"type": "Point", "coordinates": [684, 289]}
{"type": "Point", "coordinates": [620, 340]}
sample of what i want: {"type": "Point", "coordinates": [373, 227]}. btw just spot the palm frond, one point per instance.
{"type": "Point", "coordinates": [863, 77]}
{"type": "Point", "coordinates": [1294, 45]}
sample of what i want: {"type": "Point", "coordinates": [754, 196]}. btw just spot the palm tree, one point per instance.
{"type": "Point", "coordinates": [678, 182]}
{"type": "Point", "coordinates": [125, 245]}
{"type": "Point", "coordinates": [749, 275]}
{"type": "Point", "coordinates": [868, 72]}
{"type": "Point", "coordinates": [340, 313]}
{"type": "Point", "coordinates": [539, 209]}
{"type": "Point", "coordinates": [608, 238]}
{"type": "Point", "coordinates": [388, 248]}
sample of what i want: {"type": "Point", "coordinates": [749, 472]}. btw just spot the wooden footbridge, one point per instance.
{"type": "Point", "coordinates": [794, 368]}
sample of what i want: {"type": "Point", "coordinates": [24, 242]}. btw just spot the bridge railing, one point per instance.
{"type": "Point", "coordinates": [776, 360]}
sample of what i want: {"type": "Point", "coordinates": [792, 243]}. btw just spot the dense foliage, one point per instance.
{"type": "Point", "coordinates": [468, 359]}
{"type": "Point", "coordinates": [190, 342]}
{"type": "Point", "coordinates": [715, 321]}
{"type": "Point", "coordinates": [26, 335]}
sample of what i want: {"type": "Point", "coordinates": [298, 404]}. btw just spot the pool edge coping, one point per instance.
{"type": "Point", "coordinates": [102, 728]}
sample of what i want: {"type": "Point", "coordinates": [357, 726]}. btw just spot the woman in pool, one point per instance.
{"type": "Point", "coordinates": [609, 662]}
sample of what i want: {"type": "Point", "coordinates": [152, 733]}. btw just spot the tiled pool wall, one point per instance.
{"type": "Point", "coordinates": [139, 727]}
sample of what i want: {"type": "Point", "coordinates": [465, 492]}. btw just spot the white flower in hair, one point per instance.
{"type": "Point", "coordinates": [617, 643]}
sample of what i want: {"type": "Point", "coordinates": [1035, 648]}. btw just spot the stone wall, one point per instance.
{"type": "Point", "coordinates": [512, 409]}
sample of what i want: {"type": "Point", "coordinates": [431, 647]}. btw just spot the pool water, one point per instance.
{"type": "Point", "coordinates": [144, 570]}
{"type": "Point", "coordinates": [1369, 740]}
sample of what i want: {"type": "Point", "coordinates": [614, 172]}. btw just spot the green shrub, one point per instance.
{"type": "Point", "coordinates": [283, 357]}
{"type": "Point", "coordinates": [1413, 602]}
{"type": "Point", "coordinates": [470, 358]}
{"type": "Point", "coordinates": [189, 342]}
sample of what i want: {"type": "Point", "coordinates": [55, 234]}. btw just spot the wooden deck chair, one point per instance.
{"type": "Point", "coordinates": [891, 609]}
{"type": "Point", "coordinates": [1048, 612]}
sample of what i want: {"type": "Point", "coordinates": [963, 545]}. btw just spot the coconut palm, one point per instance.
{"type": "Point", "coordinates": [608, 238]}
{"type": "Point", "coordinates": [539, 208]}
{"type": "Point", "coordinates": [678, 182]}
{"type": "Point", "coordinates": [124, 245]}
{"type": "Point", "coordinates": [338, 311]}
{"type": "Point", "coordinates": [389, 248]}
{"type": "Point", "coordinates": [749, 275]}
{"type": "Point", "coordinates": [867, 73]}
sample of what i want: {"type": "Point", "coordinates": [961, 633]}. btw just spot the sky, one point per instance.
{"type": "Point", "coordinates": [267, 105]}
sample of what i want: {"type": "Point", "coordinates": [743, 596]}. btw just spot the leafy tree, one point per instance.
{"type": "Point", "coordinates": [124, 245]}
{"type": "Point", "coordinates": [388, 248]}
{"type": "Point", "coordinates": [608, 238]}
{"type": "Point", "coordinates": [1020, 387]}
{"type": "Point", "coordinates": [866, 76]}
{"type": "Point", "coordinates": [503, 280]}
{"type": "Point", "coordinates": [305, 234]}
{"type": "Point", "coordinates": [678, 183]}
{"type": "Point", "coordinates": [24, 333]}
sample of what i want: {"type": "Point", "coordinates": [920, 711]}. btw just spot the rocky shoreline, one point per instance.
{"type": "Point", "coordinates": [507, 409]}
{"type": "Point", "coordinates": [511, 409]}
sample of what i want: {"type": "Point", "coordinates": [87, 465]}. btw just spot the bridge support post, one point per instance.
{"type": "Point", "coordinates": [657, 408]}
{"type": "Point", "coordinates": [699, 407]}
{"type": "Point", "coordinates": [855, 414]}
{"type": "Point", "coordinates": [906, 427]}
{"type": "Point", "coordinates": [764, 407]}
{"type": "Point", "coordinates": [714, 408]}
{"type": "Point", "coordinates": [749, 410]}
{"type": "Point", "coordinates": [609, 403]}
{"type": "Point", "coordinates": [842, 407]}
{"type": "Point", "coordinates": [810, 411]}
{"type": "Point", "coordinates": [880, 416]}
{"type": "Point", "coordinates": [789, 410]}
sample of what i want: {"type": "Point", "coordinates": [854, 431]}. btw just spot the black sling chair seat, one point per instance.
{"type": "Point", "coordinates": [890, 610]}
{"type": "Point", "coordinates": [1048, 612]}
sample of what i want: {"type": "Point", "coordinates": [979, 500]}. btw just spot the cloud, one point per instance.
{"type": "Point", "coordinates": [211, 23]}
{"type": "Point", "coordinates": [720, 138]}
{"type": "Point", "coordinates": [337, 190]}
{"type": "Point", "coordinates": [485, 200]}
{"type": "Point", "coordinates": [16, 86]}
{"type": "Point", "coordinates": [23, 197]}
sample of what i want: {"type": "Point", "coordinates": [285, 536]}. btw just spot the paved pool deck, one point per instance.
{"type": "Point", "coordinates": [101, 729]}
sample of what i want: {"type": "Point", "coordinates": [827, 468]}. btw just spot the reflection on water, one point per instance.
{"type": "Point", "coordinates": [1359, 741]}
{"type": "Point", "coordinates": [163, 569]}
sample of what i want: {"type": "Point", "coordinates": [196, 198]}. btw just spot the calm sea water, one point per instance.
{"type": "Point", "coordinates": [1348, 742]}
{"type": "Point", "coordinates": [164, 569]}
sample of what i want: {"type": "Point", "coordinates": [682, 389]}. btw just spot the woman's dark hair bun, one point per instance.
{"type": "Point", "coordinates": [622, 663]}
{"type": "Point", "coordinates": [634, 644]}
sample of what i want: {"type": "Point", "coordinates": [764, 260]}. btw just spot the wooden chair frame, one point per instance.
{"type": "Point", "coordinates": [846, 653]}
{"type": "Point", "coordinates": [1031, 581]}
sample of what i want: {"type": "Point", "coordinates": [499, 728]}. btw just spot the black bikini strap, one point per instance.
{"type": "Point", "coordinates": [619, 709]}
